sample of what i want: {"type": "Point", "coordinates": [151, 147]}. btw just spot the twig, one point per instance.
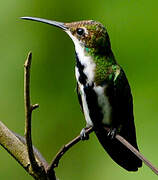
{"type": "Point", "coordinates": [28, 112]}
{"type": "Point", "coordinates": [24, 152]}
{"type": "Point", "coordinates": [65, 148]}
{"type": "Point", "coordinates": [137, 153]}
{"type": "Point", "coordinates": [39, 158]}
{"type": "Point", "coordinates": [38, 169]}
{"type": "Point", "coordinates": [21, 148]}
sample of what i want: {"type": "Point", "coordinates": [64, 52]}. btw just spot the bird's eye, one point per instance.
{"type": "Point", "coordinates": [80, 31]}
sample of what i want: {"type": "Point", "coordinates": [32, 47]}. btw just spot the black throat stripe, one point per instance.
{"type": "Point", "coordinates": [82, 76]}
{"type": "Point", "coordinates": [95, 111]}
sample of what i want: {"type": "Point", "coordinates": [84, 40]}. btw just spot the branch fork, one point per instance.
{"type": "Point", "coordinates": [22, 149]}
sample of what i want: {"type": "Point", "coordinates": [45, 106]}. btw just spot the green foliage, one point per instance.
{"type": "Point", "coordinates": [133, 29]}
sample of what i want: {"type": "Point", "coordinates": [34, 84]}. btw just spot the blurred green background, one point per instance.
{"type": "Point", "coordinates": [133, 29]}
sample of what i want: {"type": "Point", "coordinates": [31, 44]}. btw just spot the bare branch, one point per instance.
{"type": "Point", "coordinates": [38, 169]}
{"type": "Point", "coordinates": [137, 153]}
{"type": "Point", "coordinates": [65, 148]}
{"type": "Point", "coordinates": [13, 145]}
{"type": "Point", "coordinates": [23, 151]}
{"type": "Point", "coordinates": [21, 148]}
{"type": "Point", "coordinates": [39, 158]}
{"type": "Point", "coordinates": [28, 113]}
{"type": "Point", "coordinates": [16, 147]}
{"type": "Point", "coordinates": [35, 106]}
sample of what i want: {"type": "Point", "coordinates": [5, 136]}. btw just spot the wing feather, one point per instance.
{"type": "Point", "coordinates": [120, 97]}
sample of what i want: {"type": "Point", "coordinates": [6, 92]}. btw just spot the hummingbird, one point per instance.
{"type": "Point", "coordinates": [103, 90]}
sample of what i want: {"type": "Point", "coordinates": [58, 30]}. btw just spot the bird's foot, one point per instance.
{"type": "Point", "coordinates": [112, 133]}
{"type": "Point", "coordinates": [83, 134]}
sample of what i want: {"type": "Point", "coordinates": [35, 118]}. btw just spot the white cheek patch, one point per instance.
{"type": "Point", "coordinates": [85, 60]}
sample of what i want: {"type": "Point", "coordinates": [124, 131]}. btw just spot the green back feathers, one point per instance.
{"type": "Point", "coordinates": [106, 67]}
{"type": "Point", "coordinates": [106, 71]}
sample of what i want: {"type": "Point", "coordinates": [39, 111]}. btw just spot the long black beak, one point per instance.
{"type": "Point", "coordinates": [53, 23]}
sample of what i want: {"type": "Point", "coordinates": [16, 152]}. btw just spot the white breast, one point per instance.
{"type": "Point", "coordinates": [87, 62]}
{"type": "Point", "coordinates": [85, 106]}
{"type": "Point", "coordinates": [89, 65]}
{"type": "Point", "coordinates": [89, 71]}
{"type": "Point", "coordinates": [103, 102]}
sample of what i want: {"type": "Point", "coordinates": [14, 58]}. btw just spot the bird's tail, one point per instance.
{"type": "Point", "coordinates": [118, 152]}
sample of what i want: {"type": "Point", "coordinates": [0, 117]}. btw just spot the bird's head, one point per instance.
{"type": "Point", "coordinates": [90, 35]}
